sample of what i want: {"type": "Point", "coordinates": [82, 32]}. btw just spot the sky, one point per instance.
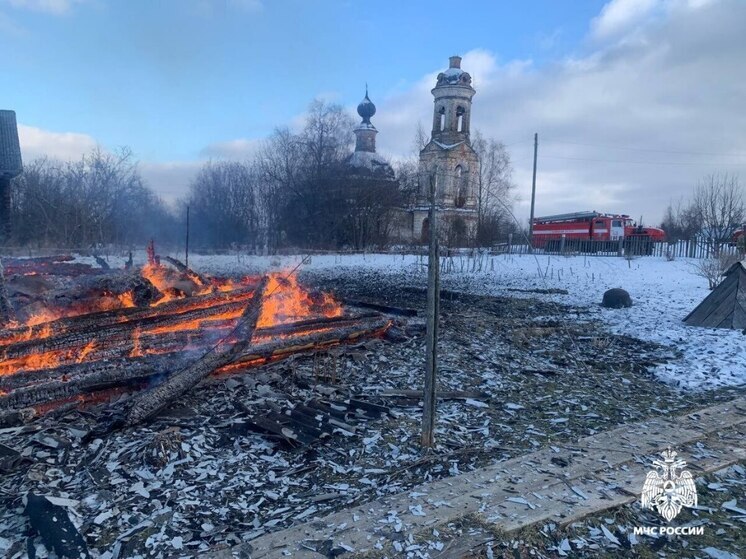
{"type": "Point", "coordinates": [634, 101]}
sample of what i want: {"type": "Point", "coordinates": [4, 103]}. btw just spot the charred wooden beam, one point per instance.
{"type": "Point", "coordinates": [142, 345]}
{"type": "Point", "coordinates": [103, 318]}
{"type": "Point", "coordinates": [386, 309]}
{"type": "Point", "coordinates": [151, 402]}
{"type": "Point", "coordinates": [278, 349]}
{"type": "Point", "coordinates": [188, 272]}
{"type": "Point", "coordinates": [66, 382]}
{"type": "Point", "coordinates": [55, 269]}
{"type": "Point", "coordinates": [118, 368]}
{"type": "Point", "coordinates": [78, 338]}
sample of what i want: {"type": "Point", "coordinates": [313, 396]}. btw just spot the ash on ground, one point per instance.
{"type": "Point", "coordinates": [524, 372]}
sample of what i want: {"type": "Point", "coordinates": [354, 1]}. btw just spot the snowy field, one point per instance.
{"type": "Point", "coordinates": [663, 293]}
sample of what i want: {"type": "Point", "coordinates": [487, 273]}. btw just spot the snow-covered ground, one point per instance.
{"type": "Point", "coordinates": [663, 292]}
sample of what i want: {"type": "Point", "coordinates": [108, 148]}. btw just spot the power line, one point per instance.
{"type": "Point", "coordinates": [639, 162]}
{"type": "Point", "coordinates": [629, 148]}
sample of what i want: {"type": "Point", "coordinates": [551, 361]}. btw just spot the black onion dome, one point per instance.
{"type": "Point", "coordinates": [366, 108]}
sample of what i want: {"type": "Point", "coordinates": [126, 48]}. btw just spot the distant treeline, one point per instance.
{"type": "Point", "coordinates": [296, 191]}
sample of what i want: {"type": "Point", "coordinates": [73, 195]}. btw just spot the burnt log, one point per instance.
{"type": "Point", "coordinates": [78, 338]}
{"type": "Point", "coordinates": [118, 316]}
{"type": "Point", "coordinates": [188, 272]}
{"type": "Point", "coordinates": [73, 269]}
{"type": "Point", "coordinates": [278, 349]}
{"type": "Point", "coordinates": [130, 352]}
{"type": "Point", "coordinates": [65, 382]}
{"type": "Point", "coordinates": [122, 368]}
{"type": "Point", "coordinates": [151, 402]}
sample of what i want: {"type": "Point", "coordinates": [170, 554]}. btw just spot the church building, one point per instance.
{"type": "Point", "coordinates": [450, 161]}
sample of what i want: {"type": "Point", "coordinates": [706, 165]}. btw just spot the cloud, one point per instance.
{"type": "Point", "coordinates": [619, 15]}
{"type": "Point", "coordinates": [232, 149]}
{"type": "Point", "coordinates": [55, 7]}
{"type": "Point", "coordinates": [170, 180]}
{"type": "Point", "coordinates": [626, 127]}
{"type": "Point", "coordinates": [66, 146]}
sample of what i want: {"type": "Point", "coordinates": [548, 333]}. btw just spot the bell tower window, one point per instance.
{"type": "Point", "coordinates": [442, 113]}
{"type": "Point", "coordinates": [460, 187]}
{"type": "Point", "coordinates": [460, 112]}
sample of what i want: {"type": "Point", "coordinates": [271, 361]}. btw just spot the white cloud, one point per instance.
{"type": "Point", "coordinates": [170, 180]}
{"type": "Point", "coordinates": [241, 148]}
{"type": "Point", "coordinates": [56, 7]}
{"type": "Point", "coordinates": [66, 146]}
{"type": "Point", "coordinates": [619, 15]}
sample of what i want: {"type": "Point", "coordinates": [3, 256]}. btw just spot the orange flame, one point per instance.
{"type": "Point", "coordinates": [285, 301]}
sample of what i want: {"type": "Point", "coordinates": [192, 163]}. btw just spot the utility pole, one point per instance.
{"type": "Point", "coordinates": [433, 312]}
{"type": "Point", "coordinates": [533, 197]}
{"type": "Point", "coordinates": [186, 255]}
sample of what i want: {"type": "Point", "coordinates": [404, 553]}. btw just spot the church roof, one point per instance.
{"type": "Point", "coordinates": [366, 108]}
{"type": "Point", "coordinates": [454, 75]}
{"type": "Point", "coordinates": [370, 164]}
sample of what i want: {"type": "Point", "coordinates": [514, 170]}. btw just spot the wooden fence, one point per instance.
{"type": "Point", "coordinates": [693, 248]}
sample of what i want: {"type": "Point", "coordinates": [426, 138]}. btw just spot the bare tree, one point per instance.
{"type": "Point", "coordinates": [100, 199]}
{"type": "Point", "coordinates": [681, 221]}
{"type": "Point", "coordinates": [304, 200]}
{"type": "Point", "coordinates": [225, 205]}
{"type": "Point", "coordinates": [494, 188]}
{"type": "Point", "coordinates": [719, 206]}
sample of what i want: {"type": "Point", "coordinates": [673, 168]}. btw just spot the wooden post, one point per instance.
{"type": "Point", "coordinates": [4, 211]}
{"type": "Point", "coordinates": [510, 243]}
{"type": "Point", "coordinates": [433, 312]}
{"type": "Point", "coordinates": [562, 244]}
{"type": "Point", "coordinates": [186, 255]}
{"type": "Point", "coordinates": [533, 197]}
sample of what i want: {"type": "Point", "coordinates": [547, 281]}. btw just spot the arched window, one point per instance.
{"type": "Point", "coordinates": [460, 187]}
{"type": "Point", "coordinates": [442, 113]}
{"type": "Point", "coordinates": [425, 232]}
{"type": "Point", "coordinates": [460, 112]}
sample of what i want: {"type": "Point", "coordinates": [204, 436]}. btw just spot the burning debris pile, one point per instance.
{"type": "Point", "coordinates": [75, 334]}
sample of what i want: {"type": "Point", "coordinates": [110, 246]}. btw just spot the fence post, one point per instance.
{"type": "Point", "coordinates": [510, 243]}
{"type": "Point", "coordinates": [562, 244]}
{"type": "Point", "coordinates": [620, 248]}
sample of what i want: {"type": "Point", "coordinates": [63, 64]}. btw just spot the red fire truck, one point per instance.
{"type": "Point", "coordinates": [593, 232]}
{"type": "Point", "coordinates": [739, 236]}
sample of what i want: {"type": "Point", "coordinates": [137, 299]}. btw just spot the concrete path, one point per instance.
{"type": "Point", "coordinates": [560, 484]}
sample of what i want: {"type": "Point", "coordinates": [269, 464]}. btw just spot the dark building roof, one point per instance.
{"type": "Point", "coordinates": [454, 75]}
{"type": "Point", "coordinates": [10, 149]}
{"type": "Point", "coordinates": [366, 108]}
{"type": "Point", "coordinates": [725, 306]}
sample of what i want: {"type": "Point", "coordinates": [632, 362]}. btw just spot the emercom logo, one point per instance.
{"type": "Point", "coordinates": [669, 487]}
{"type": "Point", "coordinates": [655, 531]}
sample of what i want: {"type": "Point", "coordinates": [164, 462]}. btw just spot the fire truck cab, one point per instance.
{"type": "Point", "coordinates": [739, 236]}
{"type": "Point", "coordinates": [593, 231]}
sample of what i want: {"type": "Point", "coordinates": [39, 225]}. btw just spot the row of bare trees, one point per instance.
{"type": "Point", "coordinates": [296, 191]}
{"type": "Point", "coordinates": [100, 199]}
{"type": "Point", "coordinates": [712, 213]}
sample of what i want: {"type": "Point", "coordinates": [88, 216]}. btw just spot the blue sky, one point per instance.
{"type": "Point", "coordinates": [633, 100]}
{"type": "Point", "coordinates": [169, 77]}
